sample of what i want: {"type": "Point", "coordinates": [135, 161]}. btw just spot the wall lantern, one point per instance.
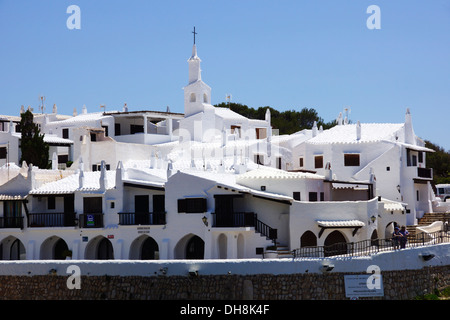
{"type": "Point", "coordinates": [373, 219]}
{"type": "Point", "coordinates": [398, 188]}
{"type": "Point", "coordinates": [205, 220]}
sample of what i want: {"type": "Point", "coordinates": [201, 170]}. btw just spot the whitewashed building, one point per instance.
{"type": "Point", "coordinates": [210, 184]}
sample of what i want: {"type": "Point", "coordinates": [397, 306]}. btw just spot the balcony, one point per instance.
{"type": "Point", "coordinates": [91, 220]}
{"type": "Point", "coordinates": [243, 219]}
{"type": "Point", "coordinates": [59, 219]}
{"type": "Point", "coordinates": [425, 173]}
{"type": "Point", "coordinates": [142, 218]}
{"type": "Point", "coordinates": [11, 222]}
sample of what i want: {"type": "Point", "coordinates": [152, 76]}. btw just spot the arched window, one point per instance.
{"type": "Point", "coordinates": [205, 98]}
{"type": "Point", "coordinates": [192, 97]}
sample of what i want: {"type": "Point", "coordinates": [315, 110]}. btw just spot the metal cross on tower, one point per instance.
{"type": "Point", "coordinates": [194, 34]}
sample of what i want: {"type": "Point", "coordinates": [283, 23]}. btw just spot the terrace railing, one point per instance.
{"type": "Point", "coordinates": [55, 219]}
{"type": "Point", "coordinates": [142, 218]}
{"type": "Point", "coordinates": [11, 222]}
{"type": "Point", "coordinates": [369, 247]}
{"type": "Point", "coordinates": [244, 219]}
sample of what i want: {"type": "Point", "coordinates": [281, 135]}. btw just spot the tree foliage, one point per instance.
{"type": "Point", "coordinates": [287, 122]}
{"type": "Point", "coordinates": [440, 162]}
{"type": "Point", "coordinates": [33, 148]}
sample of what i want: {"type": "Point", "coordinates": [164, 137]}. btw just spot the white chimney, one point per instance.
{"type": "Point", "coordinates": [358, 131]}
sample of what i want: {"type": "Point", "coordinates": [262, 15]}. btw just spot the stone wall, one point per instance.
{"type": "Point", "coordinates": [403, 284]}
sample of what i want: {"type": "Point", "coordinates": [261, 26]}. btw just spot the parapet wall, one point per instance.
{"type": "Point", "coordinates": [398, 285]}
{"type": "Point", "coordinates": [405, 274]}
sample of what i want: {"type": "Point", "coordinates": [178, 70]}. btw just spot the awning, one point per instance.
{"type": "Point", "coordinates": [339, 224]}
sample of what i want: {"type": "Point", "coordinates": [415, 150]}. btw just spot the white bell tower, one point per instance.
{"type": "Point", "coordinates": [196, 93]}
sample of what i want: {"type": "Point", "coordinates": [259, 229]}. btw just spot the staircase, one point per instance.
{"type": "Point", "coordinates": [427, 219]}
{"type": "Point", "coordinates": [283, 251]}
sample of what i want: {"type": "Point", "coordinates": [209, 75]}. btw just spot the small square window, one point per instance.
{"type": "Point", "coordinates": [318, 162]}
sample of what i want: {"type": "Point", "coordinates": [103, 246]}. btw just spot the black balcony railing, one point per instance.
{"type": "Point", "coordinates": [372, 246]}
{"type": "Point", "coordinates": [142, 218]}
{"type": "Point", "coordinates": [425, 173]}
{"type": "Point", "coordinates": [55, 219]}
{"type": "Point", "coordinates": [11, 222]}
{"type": "Point", "coordinates": [91, 220]}
{"type": "Point", "coordinates": [243, 219]}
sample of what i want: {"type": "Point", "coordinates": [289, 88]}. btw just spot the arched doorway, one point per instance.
{"type": "Point", "coordinates": [12, 249]}
{"type": "Point", "coordinates": [105, 250]}
{"type": "Point", "coordinates": [223, 248]}
{"type": "Point", "coordinates": [308, 239]}
{"type": "Point", "coordinates": [240, 247]}
{"type": "Point", "coordinates": [149, 249]}
{"type": "Point", "coordinates": [335, 244]}
{"type": "Point", "coordinates": [195, 248]}
{"type": "Point", "coordinates": [389, 230]}
{"type": "Point", "coordinates": [54, 248]}
{"type": "Point", "coordinates": [374, 238]}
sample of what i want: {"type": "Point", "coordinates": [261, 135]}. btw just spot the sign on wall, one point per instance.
{"type": "Point", "coordinates": [364, 285]}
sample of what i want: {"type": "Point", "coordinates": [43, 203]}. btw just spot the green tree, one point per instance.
{"type": "Point", "coordinates": [33, 148]}
{"type": "Point", "coordinates": [287, 122]}
{"type": "Point", "coordinates": [440, 162]}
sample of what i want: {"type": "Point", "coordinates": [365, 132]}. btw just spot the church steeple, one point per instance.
{"type": "Point", "coordinates": [194, 66]}
{"type": "Point", "coordinates": [196, 93]}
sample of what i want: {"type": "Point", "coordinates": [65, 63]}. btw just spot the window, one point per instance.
{"type": "Point", "coordinates": [278, 162]}
{"type": "Point", "coordinates": [420, 157]}
{"type": "Point", "coordinates": [205, 98]}
{"type": "Point", "coordinates": [296, 195]}
{"type": "Point", "coordinates": [261, 133]}
{"type": "Point", "coordinates": [322, 196]}
{"type": "Point", "coordinates": [106, 130]}
{"type": "Point", "coordinates": [192, 97]}
{"type": "Point", "coordinates": [236, 129]}
{"type": "Point", "coordinates": [135, 128]}
{"type": "Point", "coordinates": [318, 162]}
{"type": "Point", "coordinates": [414, 160]}
{"type": "Point", "coordinates": [301, 162]}
{"type": "Point", "coordinates": [351, 160]}
{"type": "Point", "coordinates": [192, 205]}
{"type": "Point", "coordinates": [417, 195]}
{"type": "Point", "coordinates": [3, 153]}
{"type": "Point", "coordinates": [117, 129]}
{"type": "Point", "coordinates": [92, 205]}
{"type": "Point", "coordinates": [51, 202]}
{"type": "Point", "coordinates": [65, 133]}
{"type": "Point", "coordinates": [259, 159]}
{"type": "Point", "coordinates": [313, 196]}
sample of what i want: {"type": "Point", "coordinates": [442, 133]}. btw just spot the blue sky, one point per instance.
{"type": "Point", "coordinates": [287, 54]}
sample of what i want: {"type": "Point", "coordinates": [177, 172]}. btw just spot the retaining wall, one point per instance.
{"type": "Point", "coordinates": [405, 275]}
